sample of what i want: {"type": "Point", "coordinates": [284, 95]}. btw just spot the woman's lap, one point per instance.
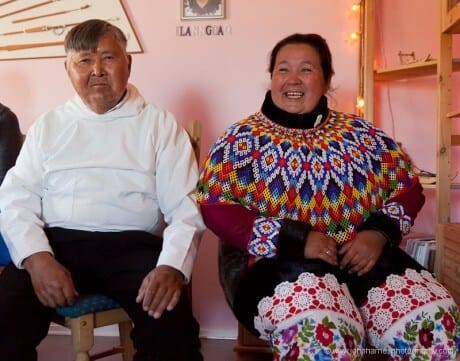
{"type": "Point", "coordinates": [314, 298]}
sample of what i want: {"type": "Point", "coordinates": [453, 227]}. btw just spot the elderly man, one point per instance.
{"type": "Point", "coordinates": [101, 199]}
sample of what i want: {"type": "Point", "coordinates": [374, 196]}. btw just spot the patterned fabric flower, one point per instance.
{"type": "Point", "coordinates": [293, 353]}
{"type": "Point", "coordinates": [349, 342]}
{"type": "Point", "coordinates": [289, 334]}
{"type": "Point", "coordinates": [425, 337]}
{"type": "Point", "coordinates": [318, 338]}
{"type": "Point", "coordinates": [448, 322]}
{"type": "Point", "coordinates": [324, 335]}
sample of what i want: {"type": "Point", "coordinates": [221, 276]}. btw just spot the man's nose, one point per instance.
{"type": "Point", "coordinates": [98, 68]}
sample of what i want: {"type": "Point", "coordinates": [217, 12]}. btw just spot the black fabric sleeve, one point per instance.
{"type": "Point", "coordinates": [387, 226]}
{"type": "Point", "coordinates": [10, 140]}
{"type": "Point", "coordinates": [292, 238]}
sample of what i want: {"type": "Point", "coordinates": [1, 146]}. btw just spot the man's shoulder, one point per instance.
{"type": "Point", "coordinates": [51, 115]}
{"type": "Point", "coordinates": [145, 106]}
{"type": "Point", "coordinates": [159, 115]}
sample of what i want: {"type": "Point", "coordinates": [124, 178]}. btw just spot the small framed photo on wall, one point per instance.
{"type": "Point", "coordinates": [202, 9]}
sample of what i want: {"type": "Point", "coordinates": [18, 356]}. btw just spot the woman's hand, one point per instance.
{"type": "Point", "coordinates": [318, 245]}
{"type": "Point", "coordinates": [361, 253]}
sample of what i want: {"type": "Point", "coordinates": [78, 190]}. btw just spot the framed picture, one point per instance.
{"type": "Point", "coordinates": [202, 9]}
{"type": "Point", "coordinates": [31, 29]}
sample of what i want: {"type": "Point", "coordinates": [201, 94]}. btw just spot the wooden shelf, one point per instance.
{"type": "Point", "coordinates": [433, 186]}
{"type": "Point", "coordinates": [412, 70]}
{"type": "Point", "coordinates": [452, 20]}
{"type": "Point", "coordinates": [454, 114]}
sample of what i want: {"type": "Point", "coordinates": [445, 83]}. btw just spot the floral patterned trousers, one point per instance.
{"type": "Point", "coordinates": [407, 317]}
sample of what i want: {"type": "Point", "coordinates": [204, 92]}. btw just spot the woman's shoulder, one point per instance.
{"type": "Point", "coordinates": [243, 125]}
{"type": "Point", "coordinates": [347, 117]}
{"type": "Point", "coordinates": [360, 127]}
{"type": "Point", "coordinates": [356, 121]}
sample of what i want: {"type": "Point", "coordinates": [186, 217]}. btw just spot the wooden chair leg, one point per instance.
{"type": "Point", "coordinates": [82, 336]}
{"type": "Point", "coordinates": [126, 343]}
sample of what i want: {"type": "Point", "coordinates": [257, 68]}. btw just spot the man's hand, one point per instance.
{"type": "Point", "coordinates": [52, 282]}
{"type": "Point", "coordinates": [361, 253]}
{"type": "Point", "coordinates": [160, 290]}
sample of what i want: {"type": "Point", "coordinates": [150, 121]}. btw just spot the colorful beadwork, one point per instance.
{"type": "Point", "coordinates": [332, 176]}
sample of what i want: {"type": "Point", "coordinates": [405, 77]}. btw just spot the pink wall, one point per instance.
{"type": "Point", "coordinates": [217, 79]}
{"type": "Point", "coordinates": [406, 109]}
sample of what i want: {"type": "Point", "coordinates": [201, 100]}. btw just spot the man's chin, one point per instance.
{"type": "Point", "coordinates": [100, 104]}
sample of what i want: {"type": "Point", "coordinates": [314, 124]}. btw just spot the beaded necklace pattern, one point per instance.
{"type": "Point", "coordinates": [332, 176]}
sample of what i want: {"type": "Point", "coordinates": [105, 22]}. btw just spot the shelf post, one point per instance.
{"type": "Point", "coordinates": [367, 52]}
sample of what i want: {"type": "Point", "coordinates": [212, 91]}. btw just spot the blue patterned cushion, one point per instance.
{"type": "Point", "coordinates": [87, 304]}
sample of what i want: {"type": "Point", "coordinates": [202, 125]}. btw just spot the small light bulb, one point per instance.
{"type": "Point", "coordinates": [354, 35]}
{"type": "Point", "coordinates": [360, 102]}
{"type": "Point", "coordinates": [355, 7]}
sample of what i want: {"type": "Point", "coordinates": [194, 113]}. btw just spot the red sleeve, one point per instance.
{"type": "Point", "coordinates": [218, 217]}
{"type": "Point", "coordinates": [412, 199]}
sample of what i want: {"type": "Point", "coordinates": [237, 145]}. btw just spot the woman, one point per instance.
{"type": "Point", "coordinates": [320, 199]}
{"type": "Point", "coordinates": [10, 144]}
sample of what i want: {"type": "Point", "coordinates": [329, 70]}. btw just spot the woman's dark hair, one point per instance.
{"type": "Point", "coordinates": [315, 41]}
{"type": "Point", "coordinates": [87, 34]}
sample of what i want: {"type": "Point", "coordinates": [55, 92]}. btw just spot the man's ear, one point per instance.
{"type": "Point", "coordinates": [65, 65]}
{"type": "Point", "coordinates": [130, 62]}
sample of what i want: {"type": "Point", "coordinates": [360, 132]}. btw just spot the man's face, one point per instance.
{"type": "Point", "coordinates": [100, 75]}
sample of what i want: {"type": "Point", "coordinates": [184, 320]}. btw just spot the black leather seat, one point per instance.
{"type": "Point", "coordinates": [232, 263]}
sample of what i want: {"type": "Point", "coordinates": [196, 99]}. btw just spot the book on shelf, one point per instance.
{"type": "Point", "coordinates": [422, 248]}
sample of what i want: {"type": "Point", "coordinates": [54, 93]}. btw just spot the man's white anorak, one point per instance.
{"type": "Point", "coordinates": [131, 168]}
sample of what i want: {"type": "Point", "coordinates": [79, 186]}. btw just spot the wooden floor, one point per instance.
{"type": "Point", "coordinates": [58, 348]}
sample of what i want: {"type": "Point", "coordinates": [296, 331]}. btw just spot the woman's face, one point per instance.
{"type": "Point", "coordinates": [297, 82]}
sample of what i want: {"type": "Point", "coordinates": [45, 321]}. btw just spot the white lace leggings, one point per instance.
{"type": "Point", "coordinates": [408, 317]}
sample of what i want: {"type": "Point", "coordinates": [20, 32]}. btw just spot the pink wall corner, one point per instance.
{"type": "Point", "coordinates": [216, 79]}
